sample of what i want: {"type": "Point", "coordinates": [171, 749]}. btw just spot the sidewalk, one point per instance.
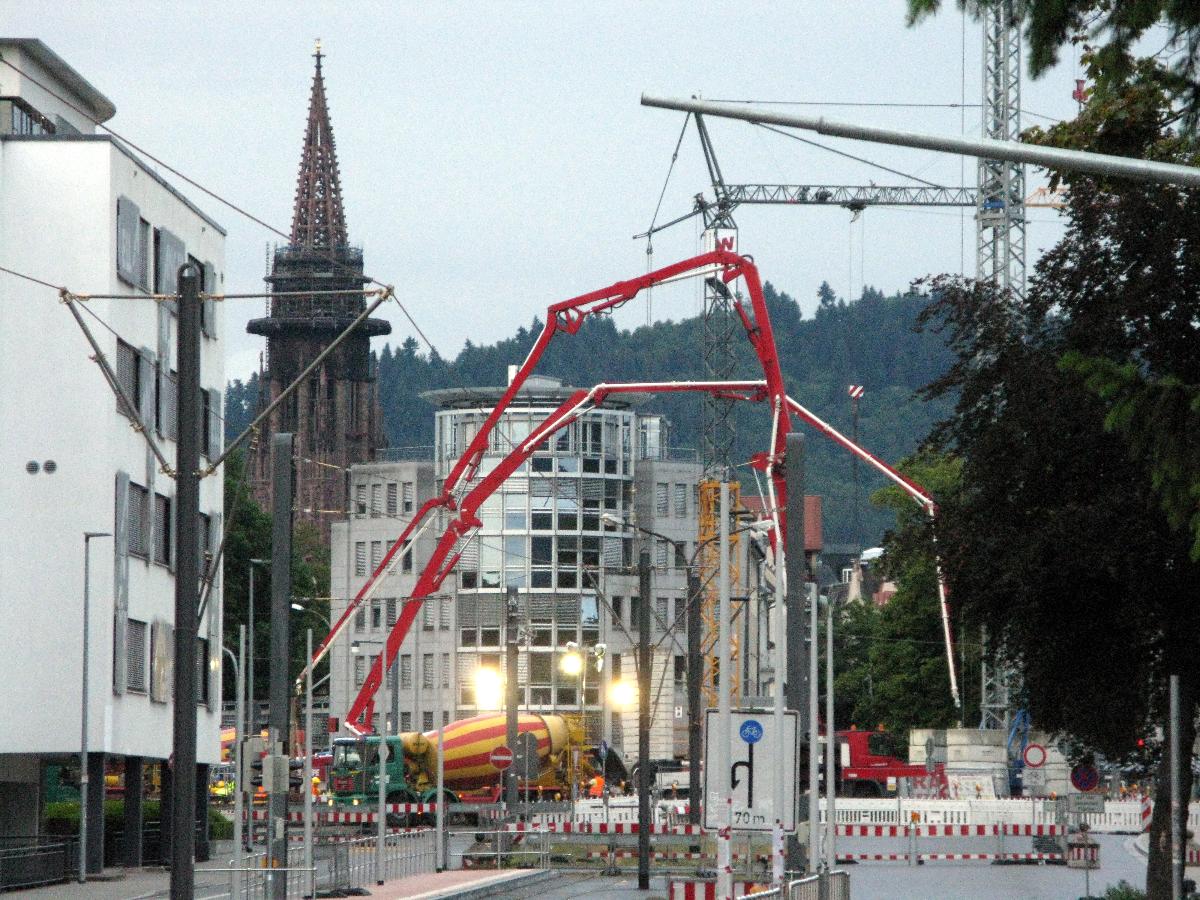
{"type": "Point", "coordinates": [459, 883]}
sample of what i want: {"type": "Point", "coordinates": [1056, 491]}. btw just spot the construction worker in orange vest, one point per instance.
{"type": "Point", "coordinates": [596, 786]}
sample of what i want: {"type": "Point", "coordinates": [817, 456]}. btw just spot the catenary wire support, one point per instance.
{"type": "Point", "coordinates": [291, 388]}
{"type": "Point", "coordinates": [111, 377]}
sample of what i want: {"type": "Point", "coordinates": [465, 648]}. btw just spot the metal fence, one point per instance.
{"type": "Point", "coordinates": [824, 886]}
{"type": "Point", "coordinates": [37, 859]}
{"type": "Point", "coordinates": [339, 865]}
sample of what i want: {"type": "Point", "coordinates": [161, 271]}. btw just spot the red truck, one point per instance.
{"type": "Point", "coordinates": [870, 762]}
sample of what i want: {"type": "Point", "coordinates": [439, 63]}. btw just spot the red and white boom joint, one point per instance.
{"type": "Point", "coordinates": [461, 500]}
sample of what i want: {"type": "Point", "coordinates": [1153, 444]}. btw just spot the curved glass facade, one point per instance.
{"type": "Point", "coordinates": [543, 535]}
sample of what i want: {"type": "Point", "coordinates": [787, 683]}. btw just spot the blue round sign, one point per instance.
{"type": "Point", "coordinates": [1085, 778]}
{"type": "Point", "coordinates": [751, 731]}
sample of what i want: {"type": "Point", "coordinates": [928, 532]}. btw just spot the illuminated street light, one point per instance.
{"type": "Point", "coordinates": [488, 688]}
{"type": "Point", "coordinates": [623, 694]}
{"type": "Point", "coordinates": [571, 662]}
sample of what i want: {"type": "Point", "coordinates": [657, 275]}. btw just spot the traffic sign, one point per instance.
{"type": "Point", "coordinates": [1085, 803]}
{"type": "Point", "coordinates": [752, 775]}
{"type": "Point", "coordinates": [1034, 756]}
{"type": "Point", "coordinates": [501, 758]}
{"type": "Point", "coordinates": [1084, 778]}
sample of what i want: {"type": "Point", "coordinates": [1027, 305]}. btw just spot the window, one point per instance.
{"type": "Point", "coordinates": [360, 499]}
{"type": "Point", "coordinates": [489, 637]}
{"type": "Point", "coordinates": [680, 619]}
{"type": "Point", "coordinates": [660, 554]}
{"type": "Point", "coordinates": [660, 500]}
{"type": "Point", "coordinates": [681, 501]}
{"type": "Point", "coordinates": [376, 554]}
{"type": "Point", "coordinates": [360, 670]}
{"type": "Point", "coordinates": [360, 618]}
{"type": "Point", "coordinates": [376, 490]}
{"type": "Point", "coordinates": [166, 409]}
{"type": "Point", "coordinates": [162, 529]}
{"type": "Point", "coordinates": [660, 611]}
{"type": "Point", "coordinates": [375, 614]}
{"type": "Point", "coordinates": [360, 558]}
{"type": "Point", "coordinates": [406, 558]}
{"type": "Point", "coordinates": [427, 671]}
{"type": "Point", "coordinates": [128, 376]}
{"type": "Point", "coordinates": [618, 611]}
{"type": "Point", "coordinates": [445, 681]}
{"type": "Point", "coordinates": [445, 717]}
{"type": "Point", "coordinates": [427, 721]}
{"type": "Point", "coordinates": [201, 670]}
{"type": "Point", "coordinates": [139, 497]}
{"type": "Point", "coordinates": [680, 668]}
{"type": "Point", "coordinates": [135, 656]}
{"type": "Point", "coordinates": [405, 721]}
{"type": "Point", "coordinates": [468, 637]}
{"type": "Point", "coordinates": [406, 671]}
{"type": "Point", "coordinates": [409, 497]}
{"type": "Point", "coordinates": [391, 507]}
{"type": "Point", "coordinates": [206, 415]}
{"type": "Point", "coordinates": [616, 667]}
{"type": "Point", "coordinates": [390, 604]}
{"type": "Point", "coordinates": [635, 608]}
{"type": "Point", "coordinates": [540, 667]}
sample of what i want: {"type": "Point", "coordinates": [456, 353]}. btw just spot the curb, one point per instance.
{"type": "Point", "coordinates": [487, 888]}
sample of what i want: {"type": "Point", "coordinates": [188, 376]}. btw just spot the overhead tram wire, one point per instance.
{"type": "Point", "coordinates": [208, 191]}
{"type": "Point", "coordinates": [860, 159]}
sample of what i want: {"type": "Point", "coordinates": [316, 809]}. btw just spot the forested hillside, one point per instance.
{"type": "Point", "coordinates": [869, 341]}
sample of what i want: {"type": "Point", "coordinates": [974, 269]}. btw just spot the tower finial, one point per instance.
{"type": "Point", "coordinates": [318, 219]}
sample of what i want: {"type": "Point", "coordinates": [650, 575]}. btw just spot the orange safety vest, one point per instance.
{"type": "Point", "coordinates": [596, 787]}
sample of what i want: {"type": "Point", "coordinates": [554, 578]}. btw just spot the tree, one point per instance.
{"type": "Point", "coordinates": [248, 536]}
{"type": "Point", "coordinates": [893, 664]}
{"type": "Point", "coordinates": [1118, 26]}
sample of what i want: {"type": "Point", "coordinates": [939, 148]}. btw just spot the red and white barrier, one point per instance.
{"type": "Point", "coordinates": [622, 828]}
{"type": "Point", "coordinates": [707, 890]}
{"type": "Point", "coordinates": [1147, 812]}
{"type": "Point", "coordinates": [947, 857]}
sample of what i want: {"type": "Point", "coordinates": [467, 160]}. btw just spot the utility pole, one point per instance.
{"type": "Point", "coordinates": [796, 680]}
{"type": "Point", "coordinates": [512, 699]}
{"type": "Point", "coordinates": [187, 588]}
{"type": "Point", "coordinates": [695, 674]}
{"type": "Point", "coordinates": [281, 603]}
{"type": "Point", "coordinates": [643, 674]}
{"type": "Point", "coordinates": [1178, 807]}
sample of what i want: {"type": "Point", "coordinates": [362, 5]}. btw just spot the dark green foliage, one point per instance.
{"type": "Point", "coordinates": [249, 537]}
{"type": "Point", "coordinates": [869, 342]}
{"type": "Point", "coordinates": [63, 819]}
{"type": "Point", "coordinates": [1114, 27]}
{"type": "Point", "coordinates": [891, 661]}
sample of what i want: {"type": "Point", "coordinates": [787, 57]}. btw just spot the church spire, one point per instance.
{"type": "Point", "coordinates": [318, 220]}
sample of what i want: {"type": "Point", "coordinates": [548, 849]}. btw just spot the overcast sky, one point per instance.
{"type": "Point", "coordinates": [495, 158]}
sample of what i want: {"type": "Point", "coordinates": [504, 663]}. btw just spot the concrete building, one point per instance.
{"type": "Point", "coordinates": [543, 535]}
{"type": "Point", "coordinates": [77, 208]}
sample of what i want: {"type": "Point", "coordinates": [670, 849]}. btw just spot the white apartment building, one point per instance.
{"type": "Point", "coordinates": [79, 209]}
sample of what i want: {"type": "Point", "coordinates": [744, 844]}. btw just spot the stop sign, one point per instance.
{"type": "Point", "coordinates": [501, 758]}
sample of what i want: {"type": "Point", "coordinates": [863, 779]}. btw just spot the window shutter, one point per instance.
{"type": "Point", "coordinates": [209, 273]}
{"type": "Point", "coordinates": [391, 508]}
{"type": "Point", "coordinates": [660, 499]}
{"type": "Point", "coordinates": [127, 236]}
{"type": "Point", "coordinates": [135, 665]}
{"type": "Point", "coordinates": [214, 612]}
{"type": "Point", "coordinates": [214, 423]}
{"type": "Point", "coordinates": [171, 255]}
{"type": "Point", "coordinates": [145, 383]}
{"type": "Point", "coordinates": [120, 583]}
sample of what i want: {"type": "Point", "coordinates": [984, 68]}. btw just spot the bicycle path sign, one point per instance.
{"type": "Point", "coordinates": [752, 774]}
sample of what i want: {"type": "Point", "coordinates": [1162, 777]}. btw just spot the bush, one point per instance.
{"type": "Point", "coordinates": [1123, 890]}
{"type": "Point", "coordinates": [63, 819]}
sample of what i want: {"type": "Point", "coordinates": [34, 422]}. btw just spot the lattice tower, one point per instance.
{"type": "Point", "coordinates": [710, 609]}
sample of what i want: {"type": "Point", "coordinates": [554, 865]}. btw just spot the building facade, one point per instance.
{"type": "Point", "coordinates": [80, 210]}
{"type": "Point", "coordinates": [316, 283]}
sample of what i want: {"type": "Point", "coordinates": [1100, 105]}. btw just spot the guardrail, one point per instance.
{"type": "Point", "coordinates": [31, 860]}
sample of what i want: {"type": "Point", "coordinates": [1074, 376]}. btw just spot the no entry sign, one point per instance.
{"type": "Point", "coordinates": [501, 758]}
{"type": "Point", "coordinates": [1035, 756]}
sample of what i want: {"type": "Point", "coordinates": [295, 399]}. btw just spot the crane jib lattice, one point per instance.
{"type": "Point", "coordinates": [461, 495]}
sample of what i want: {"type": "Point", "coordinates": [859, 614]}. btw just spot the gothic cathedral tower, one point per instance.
{"type": "Point", "coordinates": [315, 280]}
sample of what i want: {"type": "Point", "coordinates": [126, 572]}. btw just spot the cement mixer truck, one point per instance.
{"type": "Point", "coordinates": [469, 773]}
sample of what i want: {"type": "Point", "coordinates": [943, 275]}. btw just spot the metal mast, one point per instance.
{"type": "Point", "coordinates": [1000, 249]}
{"type": "Point", "coordinates": [1000, 217]}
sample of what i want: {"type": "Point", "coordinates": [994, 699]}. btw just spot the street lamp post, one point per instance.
{"type": "Point", "coordinates": [695, 660]}
{"type": "Point", "coordinates": [239, 725]}
{"type": "Point", "coordinates": [381, 704]}
{"type": "Point", "coordinates": [83, 730]}
{"type": "Point", "coordinates": [251, 712]}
